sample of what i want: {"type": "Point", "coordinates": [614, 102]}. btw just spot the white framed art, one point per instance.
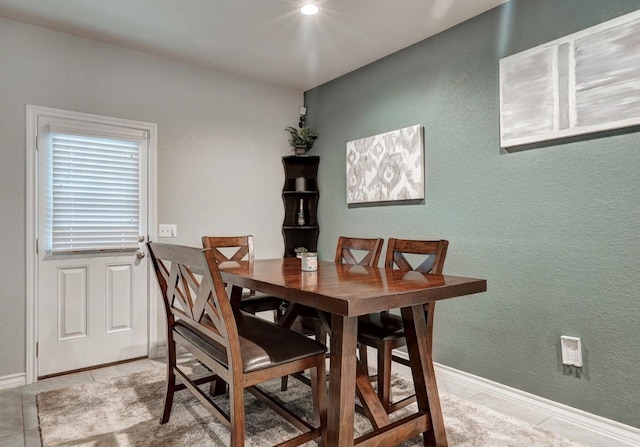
{"type": "Point", "coordinates": [387, 167]}
{"type": "Point", "coordinates": [582, 83]}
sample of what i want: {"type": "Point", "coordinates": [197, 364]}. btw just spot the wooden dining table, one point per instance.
{"type": "Point", "coordinates": [345, 292]}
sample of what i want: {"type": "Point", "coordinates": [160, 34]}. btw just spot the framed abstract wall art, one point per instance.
{"type": "Point", "coordinates": [586, 82]}
{"type": "Point", "coordinates": [387, 167]}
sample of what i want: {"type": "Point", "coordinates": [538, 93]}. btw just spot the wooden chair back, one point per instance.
{"type": "Point", "coordinates": [240, 248]}
{"type": "Point", "coordinates": [432, 255]}
{"type": "Point", "coordinates": [361, 251]}
{"type": "Point", "coordinates": [195, 296]}
{"type": "Point", "coordinates": [230, 248]}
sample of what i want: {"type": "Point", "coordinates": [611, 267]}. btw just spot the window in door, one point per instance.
{"type": "Point", "coordinates": [94, 203]}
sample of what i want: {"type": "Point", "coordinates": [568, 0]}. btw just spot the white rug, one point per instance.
{"type": "Point", "coordinates": [126, 412]}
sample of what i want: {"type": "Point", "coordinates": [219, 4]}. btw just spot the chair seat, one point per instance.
{"type": "Point", "coordinates": [380, 326]}
{"type": "Point", "coordinates": [262, 343]}
{"type": "Point", "coordinates": [259, 303]}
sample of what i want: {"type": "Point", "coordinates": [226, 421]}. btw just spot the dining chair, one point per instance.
{"type": "Point", "coordinates": [384, 331]}
{"type": "Point", "coordinates": [240, 248]}
{"type": "Point", "coordinates": [349, 250]}
{"type": "Point", "coordinates": [235, 346]}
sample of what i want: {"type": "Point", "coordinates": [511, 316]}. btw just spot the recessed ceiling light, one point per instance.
{"type": "Point", "coordinates": [309, 9]}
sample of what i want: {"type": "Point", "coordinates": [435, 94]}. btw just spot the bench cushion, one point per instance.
{"type": "Point", "coordinates": [262, 343]}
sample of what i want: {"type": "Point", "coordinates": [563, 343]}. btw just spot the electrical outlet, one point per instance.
{"type": "Point", "coordinates": [571, 351]}
{"type": "Point", "coordinates": [167, 230]}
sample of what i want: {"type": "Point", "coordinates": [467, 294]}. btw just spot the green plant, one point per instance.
{"type": "Point", "coordinates": [303, 137]}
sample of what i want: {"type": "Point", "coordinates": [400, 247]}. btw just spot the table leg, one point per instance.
{"type": "Point", "coordinates": [373, 408]}
{"type": "Point", "coordinates": [418, 328]}
{"type": "Point", "coordinates": [235, 295]}
{"type": "Point", "coordinates": [342, 386]}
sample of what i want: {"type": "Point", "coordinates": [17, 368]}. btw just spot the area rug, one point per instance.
{"type": "Point", "coordinates": [125, 412]}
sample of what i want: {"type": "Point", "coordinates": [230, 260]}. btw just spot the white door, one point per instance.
{"type": "Point", "coordinates": [92, 287]}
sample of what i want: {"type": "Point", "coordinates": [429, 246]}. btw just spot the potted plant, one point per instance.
{"type": "Point", "coordinates": [299, 251]}
{"type": "Point", "coordinates": [301, 140]}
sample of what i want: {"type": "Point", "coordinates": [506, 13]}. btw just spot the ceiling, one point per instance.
{"type": "Point", "coordinates": [268, 40]}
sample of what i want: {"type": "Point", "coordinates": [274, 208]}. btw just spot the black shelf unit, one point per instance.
{"type": "Point", "coordinates": [295, 235]}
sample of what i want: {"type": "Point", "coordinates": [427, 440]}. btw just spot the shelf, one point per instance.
{"type": "Point", "coordinates": [295, 167]}
{"type": "Point", "coordinates": [302, 158]}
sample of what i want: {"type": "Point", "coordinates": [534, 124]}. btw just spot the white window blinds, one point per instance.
{"type": "Point", "coordinates": [95, 193]}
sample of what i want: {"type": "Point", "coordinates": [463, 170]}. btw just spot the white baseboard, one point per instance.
{"type": "Point", "coordinates": [13, 381]}
{"type": "Point", "coordinates": [161, 351]}
{"type": "Point", "coordinates": [589, 421]}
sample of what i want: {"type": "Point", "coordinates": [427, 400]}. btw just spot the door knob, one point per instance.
{"type": "Point", "coordinates": [140, 255]}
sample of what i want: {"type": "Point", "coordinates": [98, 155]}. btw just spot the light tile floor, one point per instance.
{"type": "Point", "coordinates": [19, 418]}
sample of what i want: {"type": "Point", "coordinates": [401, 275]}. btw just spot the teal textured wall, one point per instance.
{"type": "Point", "coordinates": [555, 230]}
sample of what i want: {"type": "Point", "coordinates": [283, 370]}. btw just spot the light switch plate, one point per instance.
{"type": "Point", "coordinates": [167, 230]}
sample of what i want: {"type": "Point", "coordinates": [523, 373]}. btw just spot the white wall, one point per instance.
{"type": "Point", "coordinates": [220, 142]}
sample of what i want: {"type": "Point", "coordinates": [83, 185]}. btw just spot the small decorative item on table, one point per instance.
{"type": "Point", "coordinates": [309, 262]}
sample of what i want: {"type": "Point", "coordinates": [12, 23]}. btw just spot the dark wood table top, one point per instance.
{"type": "Point", "coordinates": [348, 290]}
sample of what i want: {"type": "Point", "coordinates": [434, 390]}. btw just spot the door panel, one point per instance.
{"type": "Point", "coordinates": [119, 298]}
{"type": "Point", "coordinates": [92, 305]}
{"type": "Point", "coordinates": [72, 303]}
